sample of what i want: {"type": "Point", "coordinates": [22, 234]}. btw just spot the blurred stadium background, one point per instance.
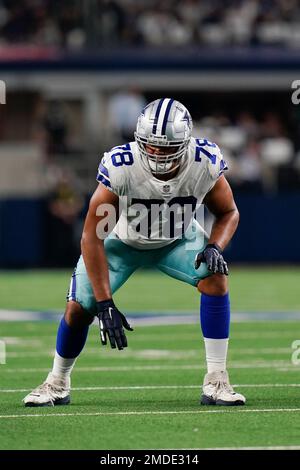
{"type": "Point", "coordinates": [77, 75]}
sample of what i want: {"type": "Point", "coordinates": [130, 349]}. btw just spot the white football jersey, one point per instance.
{"type": "Point", "coordinates": [154, 212]}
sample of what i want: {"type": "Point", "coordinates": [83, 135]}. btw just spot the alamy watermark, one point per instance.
{"type": "Point", "coordinates": [296, 94]}
{"type": "Point", "coordinates": [2, 92]}
{"type": "Point", "coordinates": [154, 220]}
{"type": "Point", "coordinates": [296, 354]}
{"type": "Point", "coordinates": [2, 352]}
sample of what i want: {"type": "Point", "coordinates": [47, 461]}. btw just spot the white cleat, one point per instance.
{"type": "Point", "coordinates": [218, 391]}
{"type": "Point", "coordinates": [54, 391]}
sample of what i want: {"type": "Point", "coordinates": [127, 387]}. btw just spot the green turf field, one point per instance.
{"type": "Point", "coordinates": [147, 397]}
{"type": "Point", "coordinates": [252, 289]}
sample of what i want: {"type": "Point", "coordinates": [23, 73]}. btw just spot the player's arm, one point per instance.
{"type": "Point", "coordinates": [219, 200]}
{"type": "Point", "coordinates": [92, 243]}
{"type": "Point", "coordinates": [221, 204]}
{"type": "Point", "coordinates": [111, 320]}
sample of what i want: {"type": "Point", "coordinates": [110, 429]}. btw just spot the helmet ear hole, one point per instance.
{"type": "Point", "coordinates": [164, 123]}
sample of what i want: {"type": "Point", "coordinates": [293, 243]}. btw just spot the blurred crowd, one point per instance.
{"type": "Point", "coordinates": [262, 149]}
{"type": "Point", "coordinates": [79, 23]}
{"type": "Point", "coordinates": [58, 160]}
{"type": "Point", "coordinates": [261, 152]}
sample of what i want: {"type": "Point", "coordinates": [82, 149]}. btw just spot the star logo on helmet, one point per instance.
{"type": "Point", "coordinates": [187, 118]}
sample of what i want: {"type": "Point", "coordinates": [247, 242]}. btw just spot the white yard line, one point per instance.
{"type": "Point", "coordinates": [143, 353]}
{"type": "Point", "coordinates": [150, 353]}
{"type": "Point", "coordinates": [154, 387]}
{"type": "Point", "coordinates": [282, 365]}
{"type": "Point", "coordinates": [145, 413]}
{"type": "Point", "coordinates": [152, 318]}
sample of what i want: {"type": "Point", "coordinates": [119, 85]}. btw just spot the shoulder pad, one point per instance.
{"type": "Point", "coordinates": [112, 168]}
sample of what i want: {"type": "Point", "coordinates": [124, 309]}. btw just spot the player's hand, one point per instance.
{"type": "Point", "coordinates": [213, 258]}
{"type": "Point", "coordinates": [111, 322]}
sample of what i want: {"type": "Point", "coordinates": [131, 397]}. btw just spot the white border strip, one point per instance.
{"type": "Point", "coordinates": [244, 448]}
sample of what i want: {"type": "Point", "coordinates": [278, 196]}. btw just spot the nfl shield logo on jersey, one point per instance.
{"type": "Point", "coordinates": [166, 188]}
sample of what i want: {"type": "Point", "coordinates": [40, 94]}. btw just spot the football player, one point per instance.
{"type": "Point", "coordinates": [165, 167]}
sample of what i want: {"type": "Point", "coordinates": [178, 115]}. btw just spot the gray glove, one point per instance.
{"type": "Point", "coordinates": [212, 256]}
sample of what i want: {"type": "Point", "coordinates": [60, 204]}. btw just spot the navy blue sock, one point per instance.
{"type": "Point", "coordinates": [215, 316]}
{"type": "Point", "coordinates": [70, 341]}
